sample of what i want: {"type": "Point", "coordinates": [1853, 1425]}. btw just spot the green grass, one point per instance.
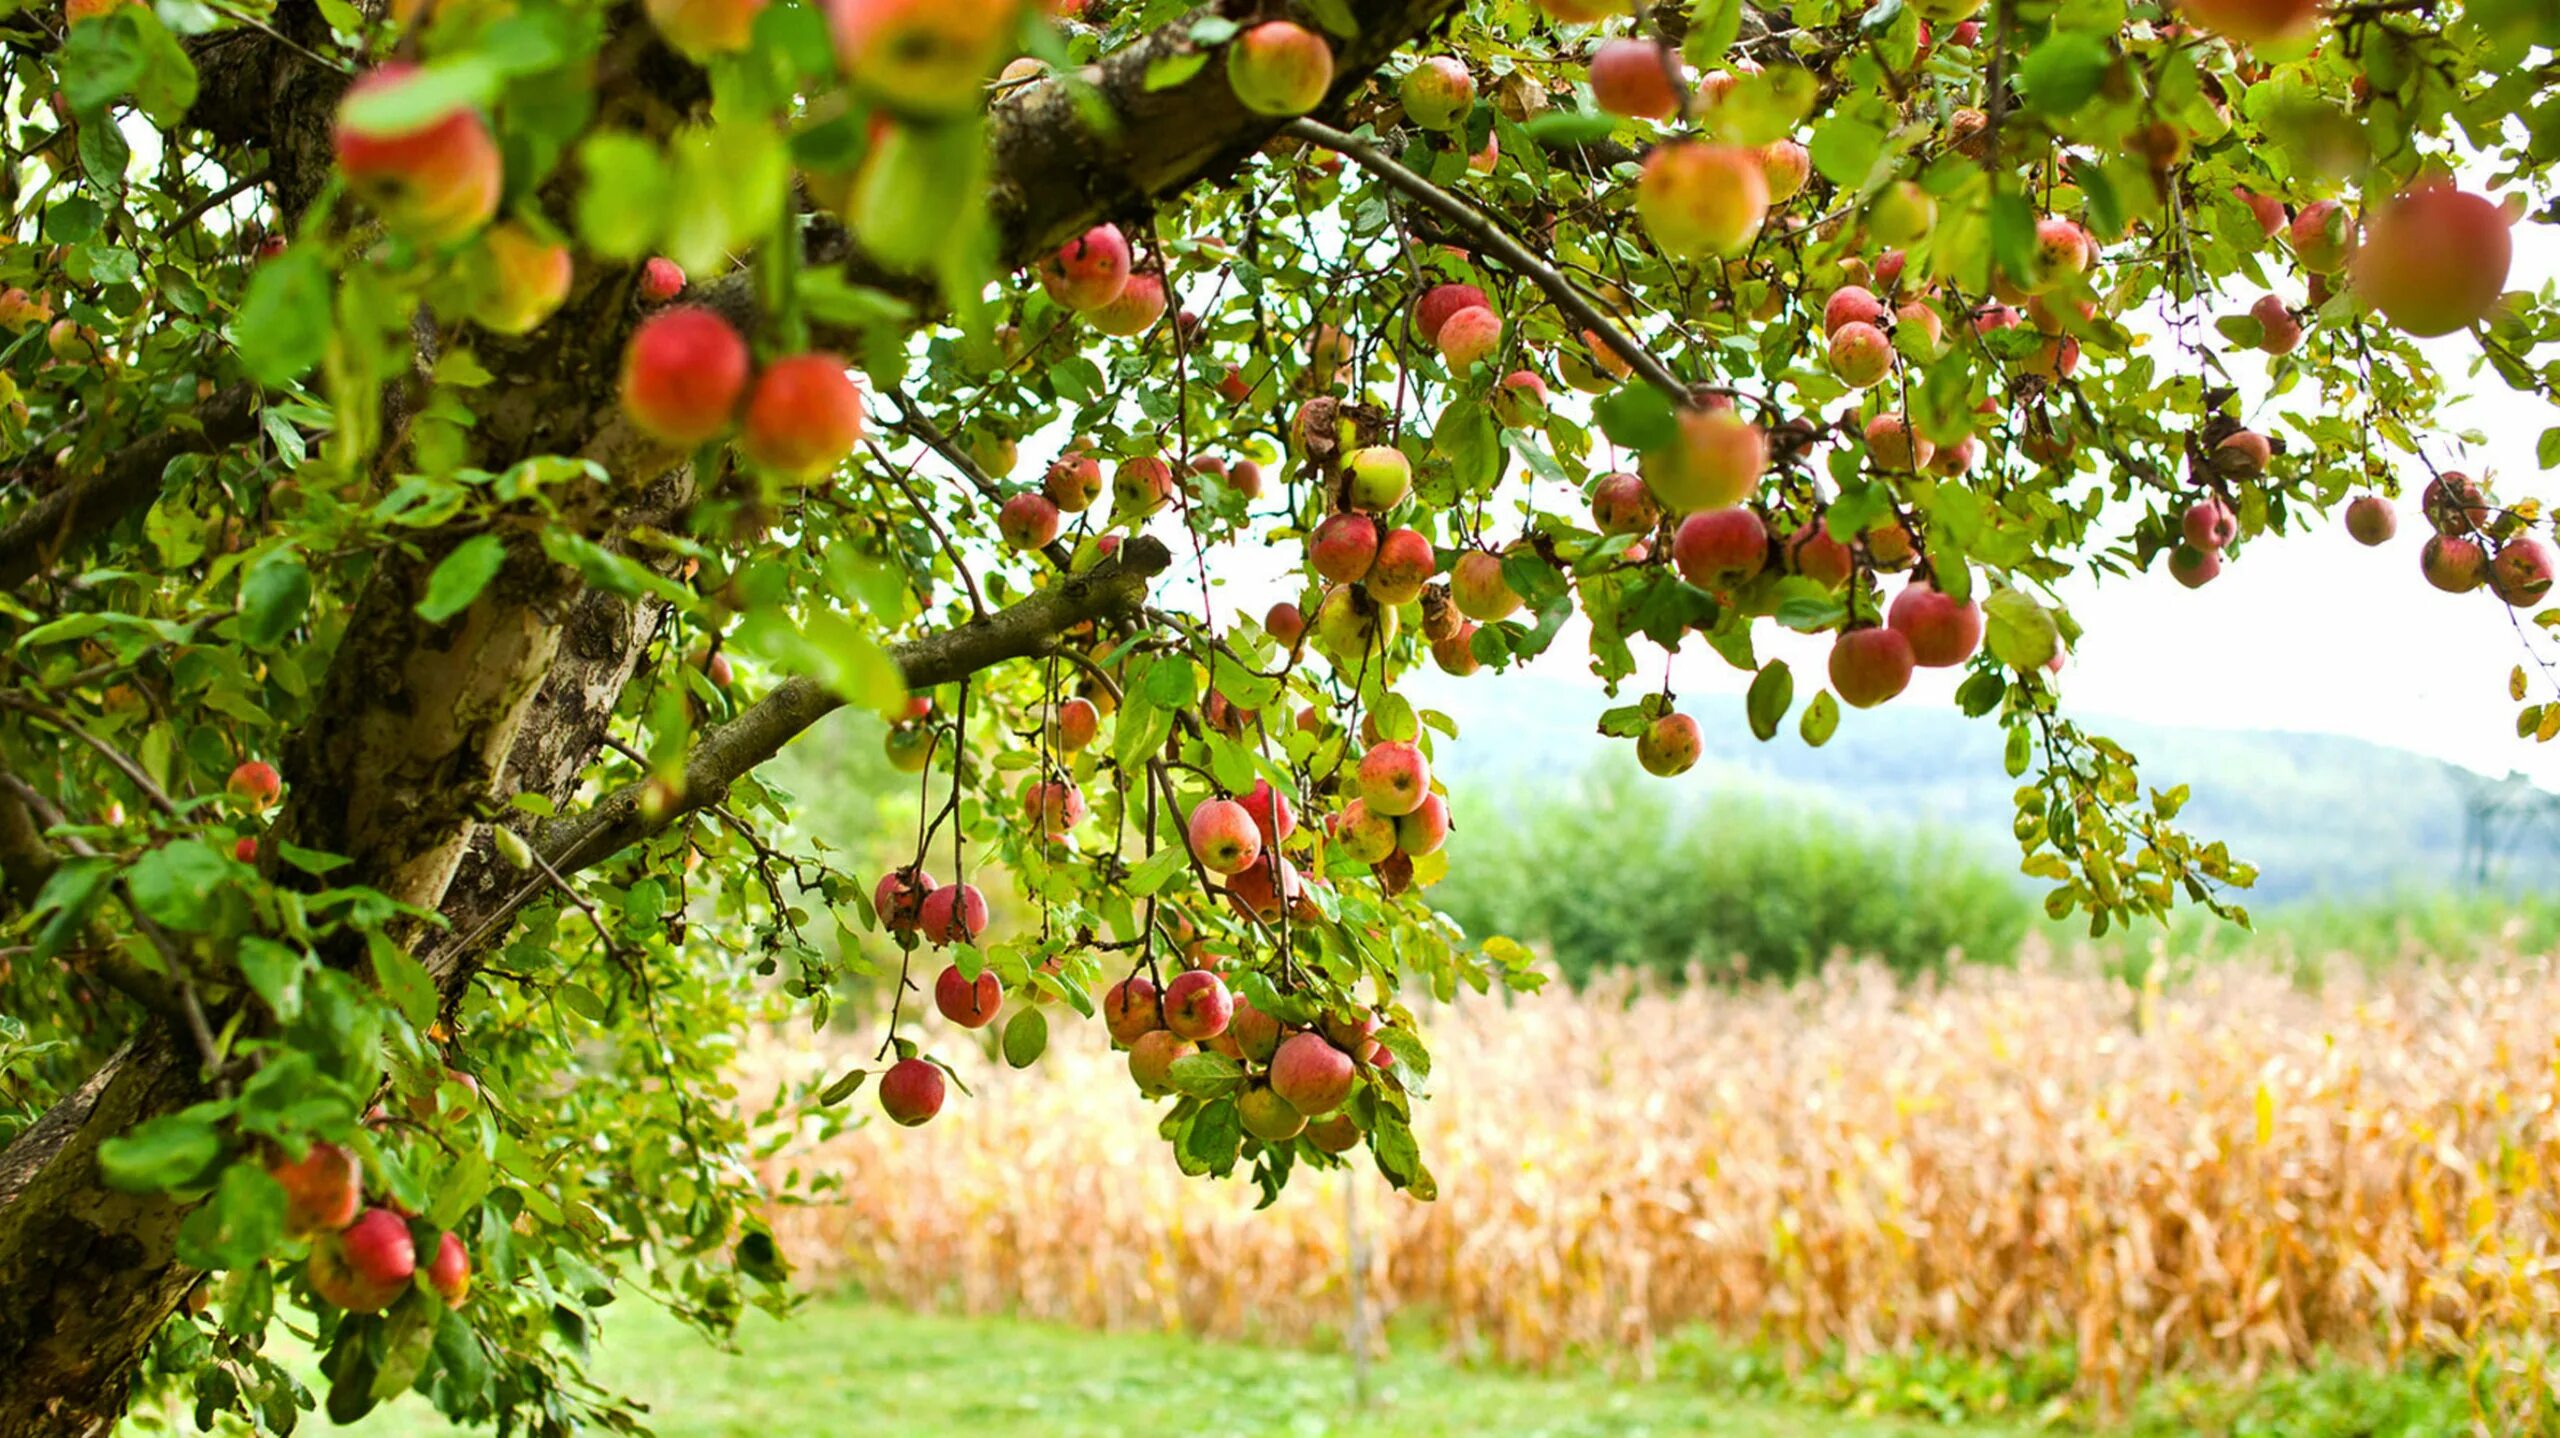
{"type": "Point", "coordinates": [842, 1366]}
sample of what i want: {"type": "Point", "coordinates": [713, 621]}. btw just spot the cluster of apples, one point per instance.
{"type": "Point", "coordinates": [1296, 1080]}
{"type": "Point", "coordinates": [685, 375]}
{"type": "Point", "coordinates": [362, 1258]}
{"type": "Point", "coordinates": [2476, 542]}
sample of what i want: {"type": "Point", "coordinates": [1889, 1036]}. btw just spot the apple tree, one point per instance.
{"type": "Point", "coordinates": [451, 446]}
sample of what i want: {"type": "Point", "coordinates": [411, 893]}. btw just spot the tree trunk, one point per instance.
{"type": "Point", "coordinates": [423, 726]}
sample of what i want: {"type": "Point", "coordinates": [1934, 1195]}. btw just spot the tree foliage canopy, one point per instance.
{"type": "Point", "coordinates": [435, 486]}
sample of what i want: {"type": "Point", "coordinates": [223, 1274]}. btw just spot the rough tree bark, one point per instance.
{"type": "Point", "coordinates": [422, 726]}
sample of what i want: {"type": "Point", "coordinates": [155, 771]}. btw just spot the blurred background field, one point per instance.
{"type": "Point", "coordinates": [1823, 1109]}
{"type": "Point", "coordinates": [2042, 1173]}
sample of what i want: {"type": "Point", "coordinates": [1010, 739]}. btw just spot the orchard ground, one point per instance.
{"type": "Point", "coordinates": [845, 1366]}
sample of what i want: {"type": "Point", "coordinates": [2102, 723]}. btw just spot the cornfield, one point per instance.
{"type": "Point", "coordinates": [2226, 1173]}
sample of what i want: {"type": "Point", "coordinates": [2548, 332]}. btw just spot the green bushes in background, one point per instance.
{"type": "Point", "coordinates": [1612, 871]}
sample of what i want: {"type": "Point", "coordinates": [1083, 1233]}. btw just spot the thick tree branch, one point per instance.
{"type": "Point", "coordinates": [1116, 587]}
{"type": "Point", "coordinates": [1055, 174]}
{"type": "Point", "coordinates": [71, 517]}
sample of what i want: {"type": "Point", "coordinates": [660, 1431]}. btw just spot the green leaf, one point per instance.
{"type": "Point", "coordinates": [1143, 727]}
{"type": "Point", "coordinates": [1400, 1158]}
{"type": "Point", "coordinates": [167, 1152]}
{"type": "Point", "coordinates": [1466, 437]}
{"type": "Point", "coordinates": [176, 885]}
{"type": "Point", "coordinates": [1713, 26]}
{"type": "Point", "coordinates": [624, 198]}
{"type": "Point", "coordinates": [1569, 127]}
{"type": "Point", "coordinates": [1155, 871]}
{"type": "Point", "coordinates": [404, 982]}
{"type": "Point", "coordinates": [1026, 1037]}
{"type": "Point", "coordinates": [273, 597]}
{"type": "Point", "coordinates": [240, 1226]}
{"type": "Point", "coordinates": [460, 576]}
{"type": "Point", "coordinates": [70, 894]}
{"type": "Point", "coordinates": [1394, 716]}
{"type": "Point", "coordinates": [1821, 718]}
{"type": "Point", "coordinates": [1407, 1047]}
{"type": "Point", "coordinates": [1844, 149]}
{"type": "Point", "coordinates": [1168, 70]}
{"type": "Point", "coordinates": [1773, 691]}
{"type": "Point", "coordinates": [408, 1339]}
{"type": "Point", "coordinates": [100, 60]}
{"type": "Point", "coordinates": [1980, 693]}
{"type": "Point", "coordinates": [420, 99]}
{"type": "Point", "coordinates": [274, 973]}
{"type": "Point", "coordinates": [844, 1088]}
{"type": "Point", "coordinates": [2062, 74]}
{"type": "Point", "coordinates": [283, 325]}
{"type": "Point", "coordinates": [1636, 416]}
{"type": "Point", "coordinates": [1215, 1137]}
{"type": "Point", "coordinates": [922, 193]}
{"type": "Point", "coordinates": [1206, 1075]}
{"type": "Point", "coordinates": [2019, 631]}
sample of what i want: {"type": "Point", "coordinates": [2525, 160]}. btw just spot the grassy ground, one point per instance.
{"type": "Point", "coordinates": [846, 1367]}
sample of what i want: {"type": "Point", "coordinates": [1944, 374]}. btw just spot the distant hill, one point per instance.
{"type": "Point", "coordinates": [2321, 816]}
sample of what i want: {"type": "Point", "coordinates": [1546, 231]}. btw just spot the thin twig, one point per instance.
{"type": "Point", "coordinates": [1576, 305]}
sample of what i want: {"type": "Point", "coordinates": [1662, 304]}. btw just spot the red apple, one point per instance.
{"type": "Point", "coordinates": [911, 1091]}
{"type": "Point", "coordinates": [1313, 1075]}
{"type": "Point", "coordinates": [804, 418]}
{"type": "Point", "coordinates": [323, 1190]}
{"type": "Point", "coordinates": [1870, 666]}
{"type": "Point", "coordinates": [1089, 271]}
{"type": "Point", "coordinates": [436, 176]}
{"type": "Point", "coordinates": [1941, 632]}
{"type": "Point", "coordinates": [1720, 549]}
{"type": "Point", "coordinates": [1277, 68]}
{"type": "Point", "coordinates": [683, 374]}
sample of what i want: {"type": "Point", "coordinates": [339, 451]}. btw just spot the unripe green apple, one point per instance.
{"type": "Point", "coordinates": [520, 279]}
{"type": "Point", "coordinates": [1477, 587]}
{"type": "Point", "coordinates": [1349, 625]}
{"type": "Point", "coordinates": [1380, 478]}
{"type": "Point", "coordinates": [1438, 93]}
{"type": "Point", "coordinates": [1670, 745]}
